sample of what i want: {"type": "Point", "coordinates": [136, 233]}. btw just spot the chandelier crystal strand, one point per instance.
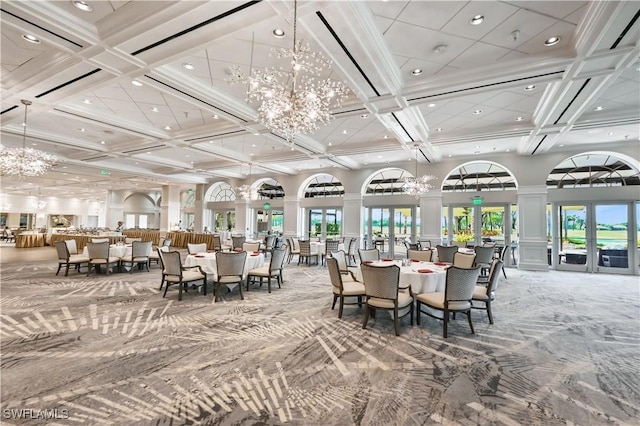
{"type": "Point", "coordinates": [295, 99]}
{"type": "Point", "coordinates": [246, 191]}
{"type": "Point", "coordinates": [418, 185]}
{"type": "Point", "coordinates": [25, 162]}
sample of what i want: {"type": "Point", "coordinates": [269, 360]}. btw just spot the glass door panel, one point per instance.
{"type": "Point", "coordinates": [463, 231]}
{"type": "Point", "coordinates": [612, 236]}
{"type": "Point", "coordinates": [277, 221]}
{"type": "Point", "coordinates": [572, 237]}
{"type": "Point", "coordinates": [334, 223]}
{"type": "Point", "coordinates": [315, 223]}
{"type": "Point", "coordinates": [492, 224]}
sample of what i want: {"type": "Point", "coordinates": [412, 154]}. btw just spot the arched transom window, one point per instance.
{"type": "Point", "coordinates": [221, 192]}
{"type": "Point", "coordinates": [270, 189]}
{"type": "Point", "coordinates": [190, 201]}
{"type": "Point", "coordinates": [480, 176]}
{"type": "Point", "coordinates": [324, 186]}
{"type": "Point", "coordinates": [387, 182]}
{"type": "Point", "coordinates": [592, 170]}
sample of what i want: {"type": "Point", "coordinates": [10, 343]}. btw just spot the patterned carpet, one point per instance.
{"type": "Point", "coordinates": [110, 350]}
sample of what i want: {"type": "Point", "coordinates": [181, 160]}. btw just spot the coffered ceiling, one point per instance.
{"type": "Point", "coordinates": [185, 124]}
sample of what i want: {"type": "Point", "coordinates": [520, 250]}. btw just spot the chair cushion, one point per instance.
{"type": "Point", "coordinates": [404, 299]}
{"type": "Point", "coordinates": [263, 271]}
{"type": "Point", "coordinates": [75, 258]}
{"type": "Point", "coordinates": [352, 288]}
{"type": "Point", "coordinates": [229, 280]}
{"type": "Point", "coordinates": [186, 276]}
{"type": "Point", "coordinates": [436, 300]}
{"type": "Point", "coordinates": [480, 293]}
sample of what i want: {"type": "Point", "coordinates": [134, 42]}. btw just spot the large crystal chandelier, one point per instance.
{"type": "Point", "coordinates": [25, 162]}
{"type": "Point", "coordinates": [246, 191]}
{"type": "Point", "coordinates": [293, 99]}
{"type": "Point", "coordinates": [418, 185]}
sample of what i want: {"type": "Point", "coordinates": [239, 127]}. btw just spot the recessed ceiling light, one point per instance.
{"type": "Point", "coordinates": [167, 127]}
{"type": "Point", "coordinates": [31, 38]}
{"type": "Point", "coordinates": [552, 41]}
{"type": "Point", "coordinates": [598, 108]}
{"type": "Point", "coordinates": [385, 137]}
{"type": "Point", "coordinates": [188, 66]}
{"type": "Point", "coordinates": [477, 20]}
{"type": "Point", "coordinates": [149, 152]}
{"type": "Point", "coordinates": [519, 118]}
{"type": "Point", "coordinates": [86, 101]}
{"type": "Point", "coordinates": [611, 133]}
{"type": "Point", "coordinates": [83, 6]}
{"type": "Point", "coordinates": [508, 150]}
{"type": "Point", "coordinates": [478, 111]}
{"type": "Point", "coordinates": [439, 129]}
{"type": "Point", "coordinates": [431, 105]}
{"type": "Point", "coordinates": [561, 145]}
{"type": "Point", "coordinates": [102, 142]}
{"type": "Point", "coordinates": [278, 33]}
{"type": "Point", "coordinates": [449, 155]}
{"type": "Point", "coordinates": [215, 116]}
{"type": "Point", "coordinates": [330, 143]}
{"type": "Point", "coordinates": [253, 145]}
{"type": "Point", "coordinates": [530, 87]}
{"type": "Point", "coordinates": [364, 116]}
{"type": "Point", "coordinates": [155, 109]}
{"type": "Point", "coordinates": [34, 144]}
{"type": "Point", "coordinates": [81, 129]}
{"type": "Point", "coordinates": [416, 71]}
{"type": "Point", "coordinates": [344, 132]}
{"type": "Point", "coordinates": [136, 83]}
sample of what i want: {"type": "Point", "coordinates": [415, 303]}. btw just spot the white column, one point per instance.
{"type": "Point", "coordinates": [115, 208]}
{"type": "Point", "coordinates": [242, 217]}
{"type": "Point", "coordinates": [169, 207]}
{"type": "Point", "coordinates": [532, 228]}
{"type": "Point", "coordinates": [352, 216]}
{"type": "Point", "coordinates": [199, 212]}
{"type": "Point", "coordinates": [292, 219]}
{"type": "Point", "coordinates": [431, 217]}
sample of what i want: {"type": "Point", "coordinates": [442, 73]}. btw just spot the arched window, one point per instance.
{"type": "Point", "coordinates": [221, 191]}
{"type": "Point", "coordinates": [270, 189]}
{"type": "Point", "coordinates": [190, 201]}
{"type": "Point", "coordinates": [387, 182]}
{"type": "Point", "coordinates": [324, 186]}
{"type": "Point", "coordinates": [479, 176]}
{"type": "Point", "coordinates": [592, 170]}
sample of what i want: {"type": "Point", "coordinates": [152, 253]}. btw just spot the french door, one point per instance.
{"type": "Point", "coordinates": [593, 237]}
{"type": "Point", "coordinates": [386, 228]}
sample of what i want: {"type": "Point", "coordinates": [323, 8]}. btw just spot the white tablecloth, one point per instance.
{"type": "Point", "coordinates": [420, 282]}
{"type": "Point", "coordinates": [208, 262]}
{"type": "Point", "coordinates": [114, 251]}
{"type": "Point", "coordinates": [321, 248]}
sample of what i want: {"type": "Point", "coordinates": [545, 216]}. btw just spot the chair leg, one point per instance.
{"type": "Point", "coordinates": [396, 320]}
{"type": "Point", "coordinates": [240, 287]}
{"type": "Point", "coordinates": [366, 316]}
{"type": "Point", "coordinates": [445, 323]}
{"type": "Point", "coordinates": [59, 267]}
{"type": "Point", "coordinates": [488, 303]}
{"type": "Point", "coordinates": [418, 312]}
{"type": "Point", "coordinates": [66, 272]}
{"type": "Point", "coordinates": [341, 306]}
{"type": "Point", "coordinates": [167, 289]}
{"type": "Point", "coordinates": [470, 323]}
{"type": "Point", "coordinates": [335, 297]}
{"type": "Point", "coordinates": [181, 284]}
{"type": "Point", "coordinates": [504, 273]}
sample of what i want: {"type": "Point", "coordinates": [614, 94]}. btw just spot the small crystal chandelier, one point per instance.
{"type": "Point", "coordinates": [246, 191]}
{"type": "Point", "coordinates": [418, 185]}
{"type": "Point", "coordinates": [294, 99]}
{"type": "Point", "coordinates": [25, 162]}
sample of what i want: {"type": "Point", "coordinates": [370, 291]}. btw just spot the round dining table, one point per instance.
{"type": "Point", "coordinates": [422, 277]}
{"type": "Point", "coordinates": [208, 262]}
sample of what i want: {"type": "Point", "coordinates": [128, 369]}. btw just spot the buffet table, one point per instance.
{"type": "Point", "coordinates": [145, 234]}
{"type": "Point", "coordinates": [181, 239]}
{"type": "Point", "coordinates": [28, 239]}
{"type": "Point", "coordinates": [83, 239]}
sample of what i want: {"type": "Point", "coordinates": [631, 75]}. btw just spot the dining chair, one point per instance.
{"type": "Point", "coordinates": [464, 260]}
{"type": "Point", "coordinates": [484, 256]}
{"type": "Point", "coordinates": [269, 244]}
{"type": "Point", "coordinates": [329, 246]}
{"type": "Point", "coordinates": [421, 255]}
{"type": "Point", "coordinates": [369, 254]}
{"type": "Point", "coordinates": [217, 243]}
{"type": "Point", "coordinates": [128, 240]}
{"type": "Point", "coordinates": [343, 289]}
{"type": "Point", "coordinates": [99, 240]}
{"type": "Point", "coordinates": [65, 258]}
{"type": "Point", "coordinates": [237, 241]}
{"type": "Point", "coordinates": [485, 292]}
{"type": "Point", "coordinates": [273, 269]}
{"type": "Point", "coordinates": [343, 267]}
{"type": "Point", "coordinates": [98, 254]}
{"type": "Point", "coordinates": [305, 255]}
{"type": "Point", "coordinates": [173, 272]}
{"type": "Point", "coordinates": [140, 251]}
{"type": "Point", "coordinates": [294, 248]}
{"type": "Point", "coordinates": [251, 247]}
{"type": "Point", "coordinates": [445, 253]}
{"type": "Point", "coordinates": [381, 285]}
{"type": "Point", "coordinates": [503, 252]}
{"type": "Point", "coordinates": [424, 243]}
{"type": "Point", "coordinates": [459, 287]}
{"type": "Point", "coordinates": [354, 245]}
{"type": "Point", "coordinates": [230, 270]}
{"type": "Point", "coordinates": [196, 248]}
{"type": "Point", "coordinates": [72, 246]}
